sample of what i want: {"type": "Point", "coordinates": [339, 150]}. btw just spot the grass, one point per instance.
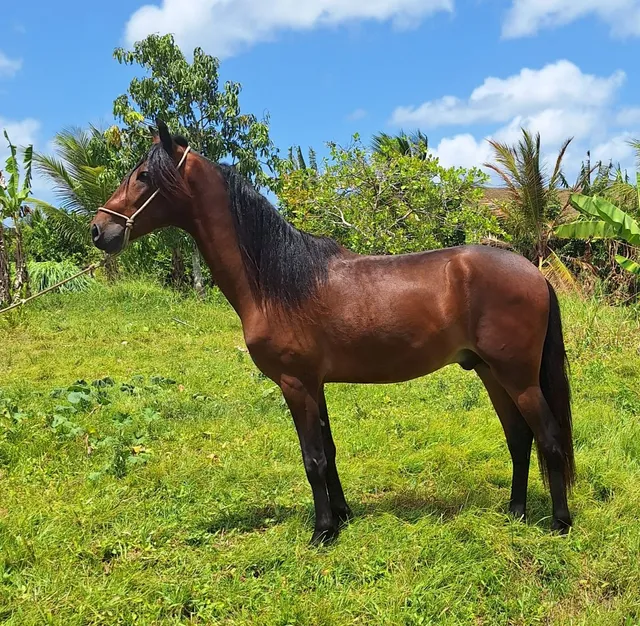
{"type": "Point", "coordinates": [150, 475]}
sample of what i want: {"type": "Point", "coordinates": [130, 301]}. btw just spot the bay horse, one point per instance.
{"type": "Point", "coordinates": [313, 312]}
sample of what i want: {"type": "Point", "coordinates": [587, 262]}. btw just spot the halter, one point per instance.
{"type": "Point", "coordinates": [130, 220]}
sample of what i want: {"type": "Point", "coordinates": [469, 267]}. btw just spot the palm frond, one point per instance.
{"type": "Point", "coordinates": [559, 275]}
{"type": "Point", "coordinates": [557, 175]}
{"type": "Point", "coordinates": [71, 228]}
{"type": "Point", "coordinates": [78, 171]}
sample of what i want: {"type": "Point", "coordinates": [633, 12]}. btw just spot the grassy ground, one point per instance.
{"type": "Point", "coordinates": [168, 487]}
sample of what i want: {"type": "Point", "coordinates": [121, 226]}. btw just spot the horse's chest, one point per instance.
{"type": "Point", "coordinates": [278, 353]}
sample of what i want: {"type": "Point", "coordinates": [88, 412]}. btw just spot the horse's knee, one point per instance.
{"type": "Point", "coordinates": [316, 467]}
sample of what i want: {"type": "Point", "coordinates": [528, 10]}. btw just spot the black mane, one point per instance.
{"type": "Point", "coordinates": [284, 265]}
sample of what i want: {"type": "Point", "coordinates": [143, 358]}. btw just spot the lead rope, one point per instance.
{"type": "Point", "coordinates": [94, 266]}
{"type": "Point", "coordinates": [91, 268]}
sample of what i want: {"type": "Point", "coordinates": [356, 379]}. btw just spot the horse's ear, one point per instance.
{"type": "Point", "coordinates": [165, 137]}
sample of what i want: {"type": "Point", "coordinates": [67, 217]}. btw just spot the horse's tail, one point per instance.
{"type": "Point", "coordinates": [554, 381]}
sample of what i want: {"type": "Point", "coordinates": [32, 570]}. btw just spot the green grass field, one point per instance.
{"type": "Point", "coordinates": [150, 475]}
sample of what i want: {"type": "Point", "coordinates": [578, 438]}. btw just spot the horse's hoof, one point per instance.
{"type": "Point", "coordinates": [561, 526]}
{"type": "Point", "coordinates": [325, 536]}
{"type": "Point", "coordinates": [518, 512]}
{"type": "Point", "coordinates": [344, 516]}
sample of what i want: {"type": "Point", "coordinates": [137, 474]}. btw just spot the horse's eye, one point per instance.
{"type": "Point", "coordinates": [144, 177]}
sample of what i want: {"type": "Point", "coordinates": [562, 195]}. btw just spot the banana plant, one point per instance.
{"type": "Point", "coordinates": [14, 199]}
{"type": "Point", "coordinates": [604, 221]}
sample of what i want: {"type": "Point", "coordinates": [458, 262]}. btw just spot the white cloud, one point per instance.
{"type": "Point", "coordinates": [223, 27]}
{"type": "Point", "coordinates": [356, 115]}
{"type": "Point", "coordinates": [9, 67]}
{"type": "Point", "coordinates": [23, 133]}
{"type": "Point", "coordinates": [616, 149]}
{"type": "Point", "coordinates": [462, 151]}
{"type": "Point", "coordinates": [527, 17]}
{"type": "Point", "coordinates": [554, 126]}
{"type": "Point", "coordinates": [557, 85]}
{"type": "Point", "coordinates": [629, 116]}
{"type": "Point", "coordinates": [558, 101]}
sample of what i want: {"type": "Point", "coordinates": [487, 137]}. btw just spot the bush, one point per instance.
{"type": "Point", "coordinates": [386, 202]}
{"type": "Point", "coordinates": [47, 273]}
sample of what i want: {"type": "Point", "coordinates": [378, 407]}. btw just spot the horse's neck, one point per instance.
{"type": "Point", "coordinates": [214, 232]}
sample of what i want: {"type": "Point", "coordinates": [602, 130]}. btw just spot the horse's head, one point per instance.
{"type": "Point", "coordinates": [150, 197]}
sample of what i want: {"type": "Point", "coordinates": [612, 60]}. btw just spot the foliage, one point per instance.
{"type": "Point", "coordinates": [44, 242]}
{"type": "Point", "coordinates": [379, 202]}
{"type": "Point", "coordinates": [84, 175]}
{"type": "Point", "coordinates": [605, 221]}
{"type": "Point", "coordinates": [14, 200]}
{"type": "Point", "coordinates": [189, 98]}
{"type": "Point", "coordinates": [44, 274]}
{"type": "Point", "coordinates": [296, 160]}
{"type": "Point", "coordinates": [401, 145]}
{"type": "Point", "coordinates": [127, 499]}
{"type": "Point", "coordinates": [534, 209]}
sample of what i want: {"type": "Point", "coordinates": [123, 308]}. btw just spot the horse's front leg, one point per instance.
{"type": "Point", "coordinates": [303, 404]}
{"type": "Point", "coordinates": [339, 505]}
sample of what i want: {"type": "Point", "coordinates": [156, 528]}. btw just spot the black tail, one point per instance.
{"type": "Point", "coordinates": [554, 381]}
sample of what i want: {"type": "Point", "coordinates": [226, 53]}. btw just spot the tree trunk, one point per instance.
{"type": "Point", "coordinates": [5, 278]}
{"type": "Point", "coordinates": [198, 280]}
{"type": "Point", "coordinates": [177, 269]}
{"type": "Point", "coordinates": [21, 282]}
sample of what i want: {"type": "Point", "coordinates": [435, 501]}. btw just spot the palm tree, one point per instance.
{"type": "Point", "coordinates": [296, 160]}
{"type": "Point", "coordinates": [402, 144]}
{"type": "Point", "coordinates": [82, 181]}
{"type": "Point", "coordinates": [534, 209]}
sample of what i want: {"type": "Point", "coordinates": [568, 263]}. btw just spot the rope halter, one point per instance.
{"type": "Point", "coordinates": [130, 220]}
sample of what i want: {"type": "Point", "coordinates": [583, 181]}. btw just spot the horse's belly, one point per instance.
{"type": "Point", "coordinates": [383, 357]}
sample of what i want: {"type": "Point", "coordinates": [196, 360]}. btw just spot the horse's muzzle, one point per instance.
{"type": "Point", "coordinates": [108, 237]}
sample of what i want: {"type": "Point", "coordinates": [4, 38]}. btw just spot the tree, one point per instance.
{"type": "Point", "coordinates": [189, 98]}
{"type": "Point", "coordinates": [84, 173]}
{"type": "Point", "coordinates": [381, 203]}
{"type": "Point", "coordinates": [534, 208]}
{"type": "Point", "coordinates": [13, 205]}
{"type": "Point", "coordinates": [81, 178]}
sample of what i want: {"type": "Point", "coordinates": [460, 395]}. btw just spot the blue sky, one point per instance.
{"type": "Point", "coordinates": [460, 70]}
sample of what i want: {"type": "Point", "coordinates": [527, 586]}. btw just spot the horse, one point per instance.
{"type": "Point", "coordinates": [314, 312]}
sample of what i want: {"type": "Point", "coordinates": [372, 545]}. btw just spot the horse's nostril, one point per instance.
{"type": "Point", "coordinates": [95, 232]}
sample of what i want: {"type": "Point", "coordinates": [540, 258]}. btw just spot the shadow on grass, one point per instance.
{"type": "Point", "coordinates": [252, 519]}
{"type": "Point", "coordinates": [413, 505]}
{"type": "Point", "coordinates": [409, 505]}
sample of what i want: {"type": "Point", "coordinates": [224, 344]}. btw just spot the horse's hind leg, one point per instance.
{"type": "Point", "coordinates": [339, 505]}
{"type": "Point", "coordinates": [536, 411]}
{"type": "Point", "coordinates": [519, 438]}
{"type": "Point", "coordinates": [533, 406]}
